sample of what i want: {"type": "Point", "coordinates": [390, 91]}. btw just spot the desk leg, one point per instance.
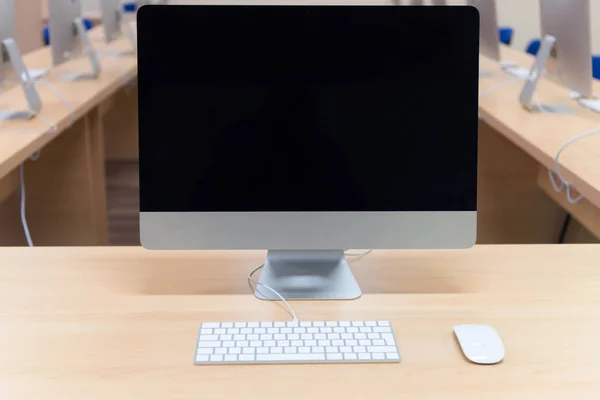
{"type": "Point", "coordinates": [511, 207]}
{"type": "Point", "coordinates": [121, 126]}
{"type": "Point", "coordinates": [64, 193]}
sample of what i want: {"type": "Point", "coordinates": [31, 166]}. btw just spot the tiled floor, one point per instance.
{"type": "Point", "coordinates": [123, 203]}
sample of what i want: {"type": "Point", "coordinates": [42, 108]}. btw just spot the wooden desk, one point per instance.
{"type": "Point", "coordinates": [66, 193]}
{"type": "Point", "coordinates": [99, 323]}
{"type": "Point", "coordinates": [540, 136]}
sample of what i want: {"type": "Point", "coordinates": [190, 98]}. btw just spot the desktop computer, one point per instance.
{"type": "Point", "coordinates": [68, 37]}
{"type": "Point", "coordinates": [114, 22]}
{"type": "Point", "coordinates": [490, 37]}
{"type": "Point", "coordinates": [324, 144]}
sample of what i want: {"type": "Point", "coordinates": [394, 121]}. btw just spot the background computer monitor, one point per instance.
{"type": "Point", "coordinates": [571, 61]}
{"type": "Point", "coordinates": [326, 142]}
{"type": "Point", "coordinates": [7, 30]}
{"type": "Point", "coordinates": [63, 34]}
{"type": "Point", "coordinates": [111, 19]}
{"type": "Point", "coordinates": [490, 37]}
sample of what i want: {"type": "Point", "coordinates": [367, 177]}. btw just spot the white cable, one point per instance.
{"type": "Point", "coordinates": [250, 279]}
{"type": "Point", "coordinates": [64, 99]}
{"type": "Point", "coordinates": [23, 203]}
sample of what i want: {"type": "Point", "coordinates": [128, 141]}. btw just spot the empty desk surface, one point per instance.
{"type": "Point", "coordinates": [121, 323]}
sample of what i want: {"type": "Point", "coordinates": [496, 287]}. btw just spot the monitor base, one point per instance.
{"type": "Point", "coordinates": [592, 104]}
{"type": "Point", "coordinates": [308, 275]}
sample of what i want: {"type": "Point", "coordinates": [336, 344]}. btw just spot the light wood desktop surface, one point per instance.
{"type": "Point", "coordinates": [121, 323]}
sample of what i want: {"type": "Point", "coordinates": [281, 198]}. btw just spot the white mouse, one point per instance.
{"type": "Point", "coordinates": [481, 344]}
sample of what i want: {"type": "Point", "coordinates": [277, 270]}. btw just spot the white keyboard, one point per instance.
{"type": "Point", "coordinates": [296, 342]}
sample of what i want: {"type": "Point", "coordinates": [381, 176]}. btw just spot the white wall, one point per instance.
{"type": "Point", "coordinates": [522, 15]}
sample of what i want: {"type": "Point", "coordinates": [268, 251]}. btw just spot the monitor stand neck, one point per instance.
{"type": "Point", "coordinates": [308, 275]}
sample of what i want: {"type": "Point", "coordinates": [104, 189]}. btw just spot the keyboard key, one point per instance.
{"type": "Point", "coordinates": [209, 344]}
{"type": "Point", "coordinates": [299, 330]}
{"type": "Point", "coordinates": [383, 323]}
{"type": "Point", "coordinates": [346, 336]}
{"type": "Point", "coordinates": [239, 325]}
{"type": "Point", "coordinates": [352, 342]}
{"type": "Point", "coordinates": [381, 349]}
{"type": "Point", "coordinates": [233, 331]}
{"type": "Point", "coordinates": [216, 357]}
{"type": "Point", "coordinates": [247, 357]}
{"type": "Point", "coordinates": [305, 324]}
{"type": "Point", "coordinates": [365, 342]}
{"type": "Point", "coordinates": [245, 331]}
{"type": "Point", "coordinates": [378, 356]}
{"type": "Point", "coordinates": [350, 356]}
{"type": "Point", "coordinates": [279, 336]}
{"type": "Point", "coordinates": [333, 336]}
{"type": "Point", "coordinates": [255, 337]}
{"type": "Point", "coordinates": [290, 357]}
{"type": "Point", "coordinates": [211, 325]}
{"type": "Point", "coordinates": [220, 331]}
{"type": "Point", "coordinates": [225, 337]}
{"type": "Point", "coordinates": [206, 331]}
{"type": "Point", "coordinates": [279, 324]}
{"type": "Point", "coordinates": [276, 350]}
{"type": "Point", "coordinates": [253, 324]}
{"type": "Point", "coordinates": [326, 330]}
{"type": "Point", "coordinates": [227, 325]}
{"type": "Point", "coordinates": [270, 343]}
{"type": "Point", "coordinates": [260, 331]}
{"type": "Point", "coordinates": [337, 342]}
{"type": "Point", "coordinates": [241, 343]}
{"type": "Point", "coordinates": [290, 350]}
{"type": "Point", "coordinates": [331, 323]}
{"type": "Point", "coordinates": [335, 356]}
{"type": "Point", "coordinates": [272, 330]}
{"type": "Point", "coordinates": [331, 350]}
{"type": "Point", "coordinates": [286, 330]}
{"type": "Point", "coordinates": [379, 342]}
{"type": "Point", "coordinates": [303, 349]}
{"type": "Point", "coordinates": [235, 350]}
{"type": "Point", "coordinates": [310, 343]}
{"type": "Point", "coordinates": [202, 358]}
{"type": "Point", "coordinates": [320, 336]}
{"type": "Point", "coordinates": [207, 350]}
{"type": "Point", "coordinates": [371, 323]}
{"type": "Point", "coordinates": [248, 350]}
{"type": "Point", "coordinates": [352, 329]}
{"type": "Point", "coordinates": [360, 336]}
{"type": "Point", "coordinates": [358, 323]}
{"type": "Point", "coordinates": [283, 343]}
{"type": "Point", "coordinates": [256, 343]}
{"type": "Point", "coordinates": [306, 336]}
{"type": "Point", "coordinates": [318, 323]}
{"type": "Point", "coordinates": [231, 357]}
{"type": "Point", "coordinates": [292, 324]}
{"type": "Point", "coordinates": [220, 350]}
{"type": "Point", "coordinates": [229, 343]}
{"type": "Point", "coordinates": [266, 336]}
{"type": "Point", "coordinates": [318, 349]}
{"type": "Point", "coordinates": [266, 324]}
{"type": "Point", "coordinates": [360, 349]}
{"type": "Point", "coordinates": [364, 356]}
{"type": "Point", "coordinates": [392, 356]}
{"type": "Point", "coordinates": [344, 323]}
{"type": "Point", "coordinates": [381, 329]}
{"type": "Point", "coordinates": [373, 336]}
{"type": "Point", "coordinates": [209, 337]}
{"type": "Point", "coordinates": [262, 350]}
{"type": "Point", "coordinates": [339, 330]}
{"type": "Point", "coordinates": [345, 349]}
{"type": "Point", "coordinates": [365, 329]}
{"type": "Point", "coordinates": [389, 338]}
{"type": "Point", "coordinates": [324, 342]}
{"type": "Point", "coordinates": [296, 343]}
{"type": "Point", "coordinates": [312, 330]}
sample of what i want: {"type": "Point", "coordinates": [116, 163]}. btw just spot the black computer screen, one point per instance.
{"type": "Point", "coordinates": [308, 108]}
